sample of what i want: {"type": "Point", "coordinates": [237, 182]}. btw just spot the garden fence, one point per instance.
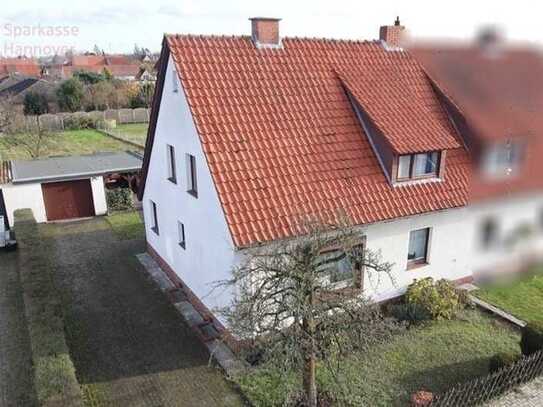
{"type": "Point", "coordinates": [55, 122]}
{"type": "Point", "coordinates": [485, 388]}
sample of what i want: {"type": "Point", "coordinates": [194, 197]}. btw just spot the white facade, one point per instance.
{"type": "Point", "coordinates": [22, 196]}
{"type": "Point", "coordinates": [209, 254]}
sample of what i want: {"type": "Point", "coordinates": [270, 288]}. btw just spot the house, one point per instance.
{"type": "Point", "coordinates": [61, 188]}
{"type": "Point", "coordinates": [17, 86]}
{"type": "Point", "coordinates": [250, 134]}
{"type": "Point", "coordinates": [120, 66]}
{"type": "Point", "coordinates": [19, 66]}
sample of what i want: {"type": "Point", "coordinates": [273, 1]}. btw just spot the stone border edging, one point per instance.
{"type": "Point", "coordinates": [497, 311]}
{"type": "Point", "coordinates": [205, 329]}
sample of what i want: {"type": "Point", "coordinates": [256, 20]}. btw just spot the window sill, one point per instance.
{"type": "Point", "coordinates": [182, 245]}
{"type": "Point", "coordinates": [172, 180]}
{"type": "Point", "coordinates": [155, 229]}
{"type": "Point", "coordinates": [416, 264]}
{"type": "Point", "coordinates": [193, 193]}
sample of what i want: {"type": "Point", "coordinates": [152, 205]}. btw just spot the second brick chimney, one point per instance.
{"type": "Point", "coordinates": [265, 31]}
{"type": "Point", "coordinates": [392, 34]}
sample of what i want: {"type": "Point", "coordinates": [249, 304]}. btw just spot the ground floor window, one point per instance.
{"type": "Point", "coordinates": [418, 246]}
{"type": "Point", "coordinates": [342, 267]}
{"type": "Point", "coordinates": [154, 214]}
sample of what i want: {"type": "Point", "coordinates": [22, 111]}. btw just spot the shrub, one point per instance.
{"type": "Point", "coordinates": [409, 312]}
{"type": "Point", "coordinates": [532, 338]}
{"type": "Point", "coordinates": [35, 103]}
{"type": "Point", "coordinates": [70, 94]}
{"type": "Point", "coordinates": [119, 199]}
{"type": "Point", "coordinates": [440, 298]}
{"type": "Point", "coordinates": [79, 123]}
{"type": "Point", "coordinates": [501, 360]}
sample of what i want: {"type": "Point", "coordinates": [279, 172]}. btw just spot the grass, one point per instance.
{"type": "Point", "coordinates": [135, 132]}
{"type": "Point", "coordinates": [522, 298]}
{"type": "Point", "coordinates": [73, 142]}
{"type": "Point", "coordinates": [432, 356]}
{"type": "Point", "coordinates": [127, 225]}
{"type": "Point", "coordinates": [54, 373]}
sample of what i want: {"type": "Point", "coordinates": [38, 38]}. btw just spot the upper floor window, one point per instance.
{"type": "Point", "coordinates": [418, 247]}
{"type": "Point", "coordinates": [171, 164]}
{"type": "Point", "coordinates": [175, 81]}
{"type": "Point", "coordinates": [414, 166]}
{"type": "Point", "coordinates": [192, 183]}
{"type": "Point", "coordinates": [502, 159]}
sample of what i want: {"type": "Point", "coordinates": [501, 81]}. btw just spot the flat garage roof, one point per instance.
{"type": "Point", "coordinates": [73, 167]}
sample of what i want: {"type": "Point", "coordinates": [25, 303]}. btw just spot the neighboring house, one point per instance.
{"type": "Point", "coordinates": [146, 74]}
{"type": "Point", "coordinates": [61, 188]}
{"type": "Point", "coordinates": [17, 86]}
{"type": "Point", "coordinates": [19, 66]}
{"type": "Point", "coordinates": [120, 66]}
{"type": "Point", "coordinates": [249, 135]}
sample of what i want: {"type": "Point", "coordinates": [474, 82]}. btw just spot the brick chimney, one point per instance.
{"type": "Point", "coordinates": [392, 34]}
{"type": "Point", "coordinates": [265, 31]}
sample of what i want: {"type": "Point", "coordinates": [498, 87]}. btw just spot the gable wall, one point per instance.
{"type": "Point", "coordinates": [209, 254]}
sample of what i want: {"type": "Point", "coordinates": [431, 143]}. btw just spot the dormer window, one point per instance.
{"type": "Point", "coordinates": [416, 166]}
{"type": "Point", "coordinates": [502, 159]}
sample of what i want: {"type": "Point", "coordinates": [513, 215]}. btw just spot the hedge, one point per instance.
{"type": "Point", "coordinates": [532, 338]}
{"type": "Point", "coordinates": [54, 373]}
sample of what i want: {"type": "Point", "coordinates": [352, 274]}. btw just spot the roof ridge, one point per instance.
{"type": "Point", "coordinates": [287, 38]}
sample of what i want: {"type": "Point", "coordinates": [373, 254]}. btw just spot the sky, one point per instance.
{"type": "Point", "coordinates": [37, 27]}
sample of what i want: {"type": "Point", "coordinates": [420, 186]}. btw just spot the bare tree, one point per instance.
{"type": "Point", "coordinates": [31, 136]}
{"type": "Point", "coordinates": [9, 114]}
{"type": "Point", "coordinates": [300, 301]}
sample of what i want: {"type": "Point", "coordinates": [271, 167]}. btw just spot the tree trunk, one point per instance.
{"type": "Point", "coordinates": [310, 385]}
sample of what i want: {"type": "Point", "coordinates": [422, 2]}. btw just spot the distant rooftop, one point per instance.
{"type": "Point", "coordinates": [72, 167]}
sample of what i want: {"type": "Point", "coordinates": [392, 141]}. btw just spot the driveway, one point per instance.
{"type": "Point", "coordinates": [15, 363]}
{"type": "Point", "coordinates": [128, 344]}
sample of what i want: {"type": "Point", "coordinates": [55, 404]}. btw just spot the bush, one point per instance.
{"type": "Point", "coordinates": [79, 123]}
{"type": "Point", "coordinates": [70, 95]}
{"type": "Point", "coordinates": [439, 298]}
{"type": "Point", "coordinates": [532, 338]}
{"type": "Point", "coordinates": [409, 312]}
{"type": "Point", "coordinates": [35, 103]}
{"type": "Point", "coordinates": [501, 360]}
{"type": "Point", "coordinates": [119, 199]}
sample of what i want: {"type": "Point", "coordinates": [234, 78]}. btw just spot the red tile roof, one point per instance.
{"type": "Point", "coordinates": [5, 172]}
{"type": "Point", "coordinates": [23, 66]}
{"type": "Point", "coordinates": [282, 140]}
{"type": "Point", "coordinates": [500, 95]}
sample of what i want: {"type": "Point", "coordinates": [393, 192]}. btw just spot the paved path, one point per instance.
{"type": "Point", "coordinates": [15, 363]}
{"type": "Point", "coordinates": [529, 395]}
{"type": "Point", "coordinates": [130, 347]}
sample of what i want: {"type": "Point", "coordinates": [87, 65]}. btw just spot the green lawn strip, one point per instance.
{"type": "Point", "coordinates": [135, 132]}
{"type": "Point", "coordinates": [54, 373]}
{"type": "Point", "coordinates": [73, 142]}
{"type": "Point", "coordinates": [433, 356]}
{"type": "Point", "coordinates": [523, 298]}
{"type": "Point", "coordinates": [127, 225]}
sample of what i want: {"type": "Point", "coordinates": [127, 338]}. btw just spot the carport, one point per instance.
{"type": "Point", "coordinates": [71, 187]}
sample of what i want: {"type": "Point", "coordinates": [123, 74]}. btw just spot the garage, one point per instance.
{"type": "Point", "coordinates": [68, 200]}
{"type": "Point", "coordinates": [69, 187]}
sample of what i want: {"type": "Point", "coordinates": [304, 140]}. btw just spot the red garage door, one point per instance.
{"type": "Point", "coordinates": [68, 200]}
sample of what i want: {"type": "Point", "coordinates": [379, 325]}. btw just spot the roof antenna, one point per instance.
{"type": "Point", "coordinates": [397, 22]}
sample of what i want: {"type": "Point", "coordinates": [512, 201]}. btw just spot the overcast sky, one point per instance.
{"type": "Point", "coordinates": [116, 25]}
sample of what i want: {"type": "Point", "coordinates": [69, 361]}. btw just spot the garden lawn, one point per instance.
{"type": "Point", "coordinates": [127, 225]}
{"type": "Point", "coordinates": [433, 356]}
{"type": "Point", "coordinates": [523, 299]}
{"type": "Point", "coordinates": [134, 132]}
{"type": "Point", "coordinates": [73, 142]}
